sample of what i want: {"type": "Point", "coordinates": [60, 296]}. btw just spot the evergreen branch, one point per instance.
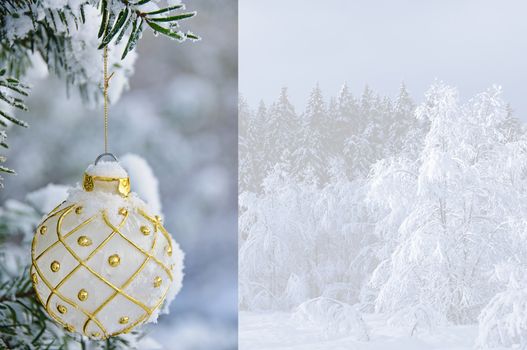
{"type": "Point", "coordinates": [18, 295]}
{"type": "Point", "coordinates": [141, 2]}
{"type": "Point", "coordinates": [192, 36]}
{"type": "Point", "coordinates": [104, 18]}
{"type": "Point", "coordinates": [13, 119]}
{"type": "Point", "coordinates": [10, 84]}
{"type": "Point", "coordinates": [130, 39]}
{"type": "Point", "coordinates": [13, 101]}
{"type": "Point", "coordinates": [173, 18]}
{"type": "Point", "coordinates": [83, 15]}
{"type": "Point", "coordinates": [167, 9]}
{"type": "Point", "coordinates": [23, 322]}
{"type": "Point", "coordinates": [123, 15]}
{"type": "Point", "coordinates": [3, 169]}
{"type": "Point", "coordinates": [15, 85]}
{"type": "Point", "coordinates": [132, 13]}
{"type": "Point", "coordinates": [50, 35]}
{"type": "Point", "coordinates": [124, 29]}
{"type": "Point", "coordinates": [156, 27]}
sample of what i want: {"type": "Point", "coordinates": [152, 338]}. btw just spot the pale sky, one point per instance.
{"type": "Point", "coordinates": [470, 44]}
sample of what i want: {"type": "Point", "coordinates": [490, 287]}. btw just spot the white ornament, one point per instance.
{"type": "Point", "coordinates": [101, 263]}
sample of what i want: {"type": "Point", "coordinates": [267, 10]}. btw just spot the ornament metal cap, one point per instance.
{"type": "Point", "coordinates": [92, 182]}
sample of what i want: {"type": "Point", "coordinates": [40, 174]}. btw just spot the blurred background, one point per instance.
{"type": "Point", "coordinates": [180, 115]}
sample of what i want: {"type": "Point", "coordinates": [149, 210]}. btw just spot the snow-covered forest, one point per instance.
{"type": "Point", "coordinates": [362, 207]}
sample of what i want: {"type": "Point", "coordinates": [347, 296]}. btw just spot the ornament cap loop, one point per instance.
{"type": "Point", "coordinates": [107, 154]}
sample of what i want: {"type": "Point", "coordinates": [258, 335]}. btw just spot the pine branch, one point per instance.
{"type": "Point", "coordinates": [10, 87]}
{"type": "Point", "coordinates": [51, 37]}
{"type": "Point", "coordinates": [18, 295]}
{"type": "Point", "coordinates": [113, 24]}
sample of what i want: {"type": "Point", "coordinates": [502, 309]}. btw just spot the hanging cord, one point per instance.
{"type": "Point", "coordinates": [106, 83]}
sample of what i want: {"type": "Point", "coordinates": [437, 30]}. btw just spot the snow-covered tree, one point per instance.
{"type": "Point", "coordinates": [502, 322]}
{"type": "Point", "coordinates": [280, 125]}
{"type": "Point", "coordinates": [308, 158]}
{"type": "Point", "coordinates": [246, 154]}
{"type": "Point", "coordinates": [264, 255]}
{"type": "Point", "coordinates": [366, 143]}
{"type": "Point", "coordinates": [447, 238]}
{"type": "Point", "coordinates": [402, 121]}
{"type": "Point", "coordinates": [253, 147]}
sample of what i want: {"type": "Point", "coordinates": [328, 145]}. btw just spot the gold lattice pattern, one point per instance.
{"type": "Point", "coordinates": [99, 278]}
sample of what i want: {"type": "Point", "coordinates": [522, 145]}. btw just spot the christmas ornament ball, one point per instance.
{"type": "Point", "coordinates": [102, 264]}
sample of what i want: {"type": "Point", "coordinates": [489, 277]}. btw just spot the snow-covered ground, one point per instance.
{"type": "Point", "coordinates": [278, 330]}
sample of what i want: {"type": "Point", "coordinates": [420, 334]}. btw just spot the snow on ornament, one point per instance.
{"type": "Point", "coordinates": [102, 264]}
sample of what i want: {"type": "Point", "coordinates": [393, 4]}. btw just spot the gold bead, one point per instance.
{"type": "Point", "coordinates": [62, 309]}
{"type": "Point", "coordinates": [123, 320]}
{"type": "Point", "coordinates": [84, 241]}
{"type": "Point", "coordinates": [55, 266]}
{"type": "Point", "coordinates": [157, 281]}
{"type": "Point", "coordinates": [43, 230]}
{"type": "Point", "coordinates": [78, 210]}
{"type": "Point", "coordinates": [83, 295]}
{"type": "Point", "coordinates": [114, 260]}
{"type": "Point", "coordinates": [70, 328]}
{"type": "Point", "coordinates": [95, 334]}
{"type": "Point", "coordinates": [145, 230]}
{"type": "Point", "coordinates": [34, 278]}
{"type": "Point", "coordinates": [169, 250]}
{"type": "Point", "coordinates": [123, 211]}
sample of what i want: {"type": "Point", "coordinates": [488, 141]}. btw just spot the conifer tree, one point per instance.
{"type": "Point", "coordinates": [244, 150]}
{"type": "Point", "coordinates": [259, 145]}
{"type": "Point", "coordinates": [358, 149]}
{"type": "Point", "coordinates": [348, 121]}
{"type": "Point", "coordinates": [331, 141]}
{"type": "Point", "coordinates": [402, 120]}
{"type": "Point", "coordinates": [282, 124]}
{"type": "Point", "coordinates": [308, 158]}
